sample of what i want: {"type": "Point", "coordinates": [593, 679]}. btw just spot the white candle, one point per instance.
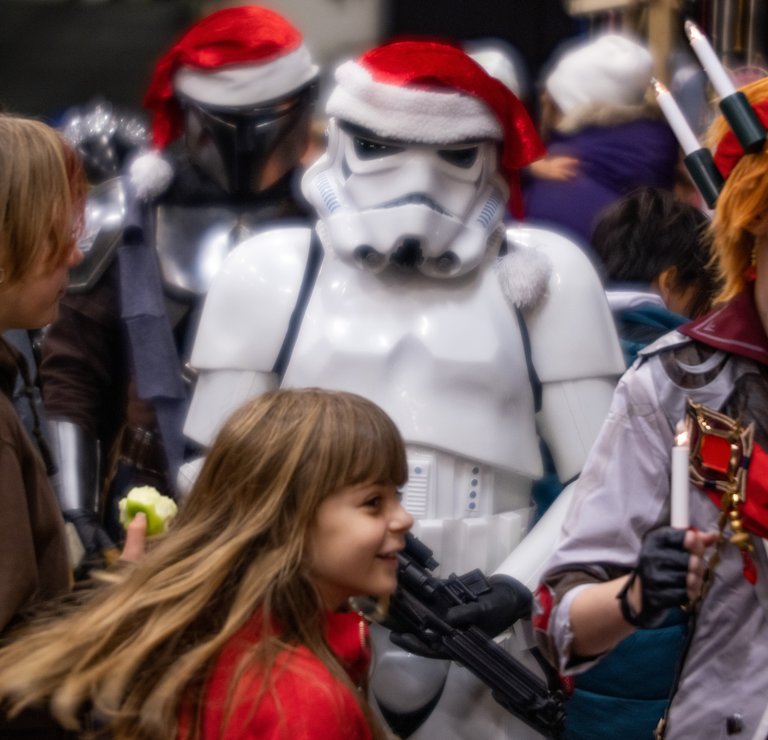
{"type": "Point", "coordinates": [675, 118]}
{"type": "Point", "coordinates": [719, 78]}
{"type": "Point", "coordinates": [680, 492]}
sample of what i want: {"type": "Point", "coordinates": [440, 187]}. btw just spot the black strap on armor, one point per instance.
{"type": "Point", "coordinates": [311, 270]}
{"type": "Point", "coordinates": [532, 374]}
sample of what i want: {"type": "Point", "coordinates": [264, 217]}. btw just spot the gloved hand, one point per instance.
{"type": "Point", "coordinates": [99, 548]}
{"type": "Point", "coordinates": [495, 611]}
{"type": "Point", "coordinates": [663, 570]}
{"type": "Point", "coordinates": [505, 603]}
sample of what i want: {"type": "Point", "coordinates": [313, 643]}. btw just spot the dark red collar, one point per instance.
{"type": "Point", "coordinates": [734, 327]}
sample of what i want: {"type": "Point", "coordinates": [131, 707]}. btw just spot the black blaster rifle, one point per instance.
{"type": "Point", "coordinates": [419, 607]}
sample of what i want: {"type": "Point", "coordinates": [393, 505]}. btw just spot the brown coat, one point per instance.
{"type": "Point", "coordinates": [33, 553]}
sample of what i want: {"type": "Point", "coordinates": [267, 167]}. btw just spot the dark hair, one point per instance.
{"type": "Point", "coordinates": [650, 230]}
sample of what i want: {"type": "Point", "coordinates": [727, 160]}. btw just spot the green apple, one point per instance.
{"type": "Point", "coordinates": [158, 509]}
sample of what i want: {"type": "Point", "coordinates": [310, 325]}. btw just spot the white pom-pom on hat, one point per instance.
{"type": "Point", "coordinates": [524, 275]}
{"type": "Point", "coordinates": [150, 174]}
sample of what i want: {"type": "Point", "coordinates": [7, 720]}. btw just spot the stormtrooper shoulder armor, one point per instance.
{"type": "Point", "coordinates": [104, 217]}
{"type": "Point", "coordinates": [571, 328]}
{"type": "Point", "coordinates": [249, 305]}
{"type": "Point", "coordinates": [575, 348]}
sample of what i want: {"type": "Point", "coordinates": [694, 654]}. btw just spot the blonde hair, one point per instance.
{"type": "Point", "coordinates": [141, 648]}
{"type": "Point", "coordinates": [743, 197]}
{"type": "Point", "coordinates": [42, 196]}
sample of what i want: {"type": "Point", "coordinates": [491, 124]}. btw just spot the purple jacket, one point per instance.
{"type": "Point", "coordinates": [614, 160]}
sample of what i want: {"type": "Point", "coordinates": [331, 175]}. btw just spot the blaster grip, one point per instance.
{"type": "Point", "coordinates": [420, 605]}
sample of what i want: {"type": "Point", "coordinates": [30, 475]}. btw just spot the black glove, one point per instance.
{"type": "Point", "coordinates": [99, 548]}
{"type": "Point", "coordinates": [494, 611]}
{"type": "Point", "coordinates": [663, 570]}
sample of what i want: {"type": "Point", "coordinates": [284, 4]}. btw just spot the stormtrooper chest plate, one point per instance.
{"type": "Point", "coordinates": [444, 358]}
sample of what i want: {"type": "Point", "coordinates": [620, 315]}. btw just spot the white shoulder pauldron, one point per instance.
{"type": "Point", "coordinates": [249, 305]}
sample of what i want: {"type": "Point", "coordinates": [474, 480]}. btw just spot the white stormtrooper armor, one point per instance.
{"type": "Point", "coordinates": [458, 327]}
{"type": "Point", "coordinates": [447, 362]}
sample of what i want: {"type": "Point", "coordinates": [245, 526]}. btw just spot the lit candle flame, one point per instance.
{"type": "Point", "coordinates": [658, 86]}
{"type": "Point", "coordinates": [716, 73]}
{"type": "Point", "coordinates": [692, 31]}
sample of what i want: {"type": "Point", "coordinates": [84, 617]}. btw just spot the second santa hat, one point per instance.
{"type": "Point", "coordinates": [237, 56]}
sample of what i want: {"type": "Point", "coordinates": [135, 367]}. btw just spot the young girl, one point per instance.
{"type": "Point", "coordinates": [234, 625]}
{"type": "Point", "coordinates": [42, 191]}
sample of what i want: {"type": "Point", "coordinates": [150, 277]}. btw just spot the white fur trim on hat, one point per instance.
{"type": "Point", "coordinates": [409, 113]}
{"type": "Point", "coordinates": [247, 84]}
{"type": "Point", "coordinates": [150, 174]}
{"type": "Point", "coordinates": [610, 69]}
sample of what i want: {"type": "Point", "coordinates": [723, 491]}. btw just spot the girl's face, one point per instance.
{"type": "Point", "coordinates": [354, 542]}
{"type": "Point", "coordinates": [33, 301]}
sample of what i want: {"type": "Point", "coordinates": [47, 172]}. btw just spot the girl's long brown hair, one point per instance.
{"type": "Point", "coordinates": [140, 648]}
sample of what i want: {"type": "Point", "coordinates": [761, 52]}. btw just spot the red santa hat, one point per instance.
{"type": "Point", "coordinates": [237, 56]}
{"type": "Point", "coordinates": [434, 93]}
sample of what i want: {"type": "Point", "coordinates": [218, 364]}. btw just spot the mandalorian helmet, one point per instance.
{"type": "Point", "coordinates": [239, 87]}
{"type": "Point", "coordinates": [246, 149]}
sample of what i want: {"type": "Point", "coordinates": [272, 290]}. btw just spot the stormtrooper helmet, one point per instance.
{"type": "Point", "coordinates": [415, 175]}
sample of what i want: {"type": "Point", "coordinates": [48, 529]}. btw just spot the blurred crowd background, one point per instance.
{"type": "Point", "coordinates": [60, 53]}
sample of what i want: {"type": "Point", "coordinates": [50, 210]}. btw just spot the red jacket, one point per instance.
{"type": "Point", "coordinates": [313, 704]}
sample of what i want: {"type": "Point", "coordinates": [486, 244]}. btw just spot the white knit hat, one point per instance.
{"type": "Point", "coordinates": [610, 69]}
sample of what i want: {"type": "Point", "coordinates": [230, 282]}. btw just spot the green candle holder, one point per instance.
{"type": "Point", "coordinates": [706, 177]}
{"type": "Point", "coordinates": [744, 122]}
